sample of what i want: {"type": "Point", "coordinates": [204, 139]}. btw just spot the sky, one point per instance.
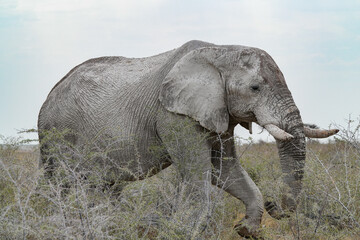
{"type": "Point", "coordinates": [315, 43]}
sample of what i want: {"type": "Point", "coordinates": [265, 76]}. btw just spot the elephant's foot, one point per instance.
{"type": "Point", "coordinates": [248, 229]}
{"type": "Point", "coordinates": [274, 210]}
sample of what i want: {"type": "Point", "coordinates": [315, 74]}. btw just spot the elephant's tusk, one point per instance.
{"type": "Point", "coordinates": [278, 133]}
{"type": "Point", "coordinates": [318, 133]}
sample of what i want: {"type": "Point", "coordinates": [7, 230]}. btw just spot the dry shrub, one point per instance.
{"type": "Point", "coordinates": [79, 204]}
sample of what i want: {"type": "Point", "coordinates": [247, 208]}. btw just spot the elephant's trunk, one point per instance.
{"type": "Point", "coordinates": [292, 153]}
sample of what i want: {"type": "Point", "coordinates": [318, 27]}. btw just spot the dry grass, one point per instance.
{"type": "Point", "coordinates": [32, 207]}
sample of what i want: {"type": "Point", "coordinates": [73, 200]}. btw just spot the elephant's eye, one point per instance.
{"type": "Point", "coordinates": [255, 88]}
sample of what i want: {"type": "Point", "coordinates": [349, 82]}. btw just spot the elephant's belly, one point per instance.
{"type": "Point", "coordinates": [129, 162]}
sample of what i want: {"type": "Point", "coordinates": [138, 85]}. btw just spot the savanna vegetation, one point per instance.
{"type": "Point", "coordinates": [74, 204]}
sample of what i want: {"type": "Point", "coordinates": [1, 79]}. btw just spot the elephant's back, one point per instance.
{"type": "Point", "coordinates": [114, 70]}
{"type": "Point", "coordinates": [121, 70]}
{"type": "Point", "coordinates": [82, 95]}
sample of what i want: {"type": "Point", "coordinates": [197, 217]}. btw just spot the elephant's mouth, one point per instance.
{"type": "Point", "coordinates": [247, 117]}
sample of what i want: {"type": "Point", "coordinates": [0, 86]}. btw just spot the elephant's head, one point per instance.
{"type": "Point", "coordinates": [221, 85]}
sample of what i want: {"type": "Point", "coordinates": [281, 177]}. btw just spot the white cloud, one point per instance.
{"type": "Point", "coordinates": [41, 6]}
{"type": "Point", "coordinates": [120, 8]}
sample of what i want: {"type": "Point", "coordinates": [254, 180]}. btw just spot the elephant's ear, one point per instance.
{"type": "Point", "coordinates": [194, 87]}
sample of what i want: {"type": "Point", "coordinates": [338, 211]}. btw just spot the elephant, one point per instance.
{"type": "Point", "coordinates": [214, 87]}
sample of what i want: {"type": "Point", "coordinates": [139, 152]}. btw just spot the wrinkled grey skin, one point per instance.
{"type": "Point", "coordinates": [216, 86]}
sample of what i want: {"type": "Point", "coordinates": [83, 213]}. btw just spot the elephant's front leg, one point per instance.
{"type": "Point", "coordinates": [188, 146]}
{"type": "Point", "coordinates": [189, 149]}
{"type": "Point", "coordinates": [230, 176]}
